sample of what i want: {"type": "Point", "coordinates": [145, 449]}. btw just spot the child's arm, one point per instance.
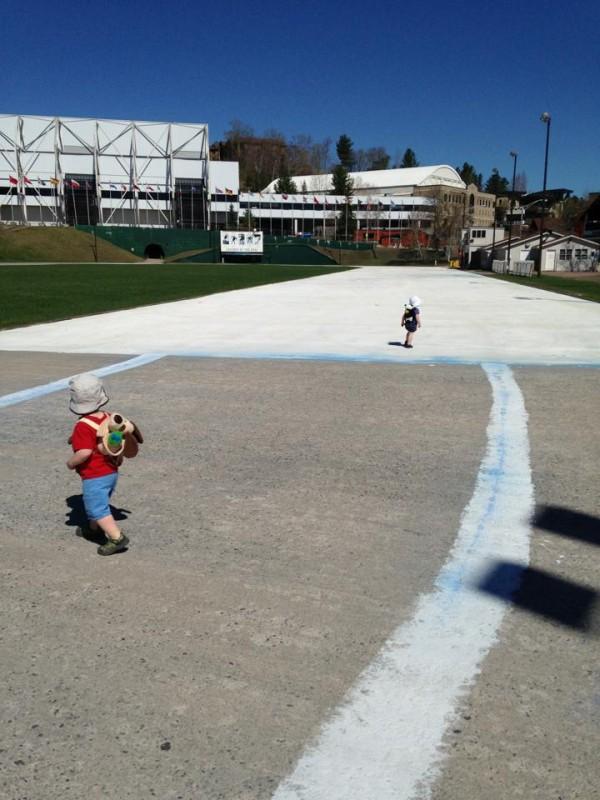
{"type": "Point", "coordinates": [78, 458]}
{"type": "Point", "coordinates": [418, 316]}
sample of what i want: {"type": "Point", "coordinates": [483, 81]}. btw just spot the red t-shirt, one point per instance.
{"type": "Point", "coordinates": [84, 438]}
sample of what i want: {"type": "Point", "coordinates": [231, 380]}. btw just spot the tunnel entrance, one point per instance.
{"type": "Point", "coordinates": [154, 251]}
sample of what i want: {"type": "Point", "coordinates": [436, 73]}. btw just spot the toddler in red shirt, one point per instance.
{"type": "Point", "coordinates": [98, 472]}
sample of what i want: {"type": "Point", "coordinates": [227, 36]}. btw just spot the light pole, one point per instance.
{"type": "Point", "coordinates": [514, 155]}
{"type": "Point", "coordinates": [546, 119]}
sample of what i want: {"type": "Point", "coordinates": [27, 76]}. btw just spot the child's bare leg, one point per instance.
{"type": "Point", "coordinates": [109, 527]}
{"type": "Point", "coordinates": [409, 338]}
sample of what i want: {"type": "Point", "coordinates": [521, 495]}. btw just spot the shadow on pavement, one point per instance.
{"type": "Point", "coordinates": [76, 517]}
{"type": "Point", "coordinates": [566, 522]}
{"type": "Point", "coordinates": [556, 599]}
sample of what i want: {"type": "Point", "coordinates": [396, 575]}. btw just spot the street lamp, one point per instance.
{"type": "Point", "coordinates": [514, 155]}
{"type": "Point", "coordinates": [546, 119]}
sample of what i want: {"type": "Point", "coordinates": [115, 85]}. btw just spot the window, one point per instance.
{"type": "Point", "coordinates": [581, 253]}
{"type": "Point", "coordinates": [565, 255]}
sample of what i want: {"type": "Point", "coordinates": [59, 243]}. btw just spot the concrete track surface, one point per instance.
{"type": "Point", "coordinates": [355, 571]}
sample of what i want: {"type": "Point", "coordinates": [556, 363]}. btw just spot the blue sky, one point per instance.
{"type": "Point", "coordinates": [455, 81]}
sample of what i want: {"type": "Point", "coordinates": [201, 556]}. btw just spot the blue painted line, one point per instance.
{"type": "Point", "coordinates": [138, 361]}
{"type": "Point", "coordinates": [63, 383]}
{"type": "Point", "coordinates": [372, 358]}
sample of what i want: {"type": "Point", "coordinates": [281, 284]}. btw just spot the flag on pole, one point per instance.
{"type": "Point", "coordinates": [41, 182]}
{"type": "Point", "coordinates": [75, 184]}
{"type": "Point", "coordinates": [285, 197]}
{"type": "Point", "coordinates": [230, 191]}
{"type": "Point", "coordinates": [317, 201]}
{"type": "Point", "coordinates": [26, 180]}
{"type": "Point", "coordinates": [12, 180]}
{"type": "Point", "coordinates": [112, 186]}
{"type": "Point", "coordinates": [219, 191]}
{"type": "Point", "coordinates": [54, 181]}
{"type": "Point", "coordinates": [124, 188]}
{"type": "Point", "coordinates": [136, 188]}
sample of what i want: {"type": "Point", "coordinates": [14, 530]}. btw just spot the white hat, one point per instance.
{"type": "Point", "coordinates": [414, 301]}
{"type": "Point", "coordinates": [87, 394]}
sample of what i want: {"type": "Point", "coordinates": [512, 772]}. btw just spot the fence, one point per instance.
{"type": "Point", "coordinates": [523, 268]}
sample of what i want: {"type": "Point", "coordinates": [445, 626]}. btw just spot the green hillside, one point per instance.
{"type": "Point", "coordinates": [56, 244]}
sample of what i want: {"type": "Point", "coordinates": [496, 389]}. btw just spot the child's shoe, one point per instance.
{"type": "Point", "coordinates": [112, 546]}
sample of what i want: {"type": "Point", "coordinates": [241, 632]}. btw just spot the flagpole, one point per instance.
{"type": "Point", "coordinates": [87, 201]}
{"type": "Point", "coordinates": [335, 219]}
{"type": "Point", "coordinates": [192, 193]}
{"type": "Point", "coordinates": [74, 206]}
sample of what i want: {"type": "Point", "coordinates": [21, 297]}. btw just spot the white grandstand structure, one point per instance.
{"type": "Point", "coordinates": [72, 170]}
{"type": "Point", "coordinates": [386, 182]}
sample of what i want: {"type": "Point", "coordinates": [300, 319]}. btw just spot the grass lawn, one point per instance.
{"type": "Point", "coordinates": [587, 287]}
{"type": "Point", "coordinates": [57, 244]}
{"type": "Point", "coordinates": [44, 293]}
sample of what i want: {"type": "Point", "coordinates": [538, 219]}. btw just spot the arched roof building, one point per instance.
{"type": "Point", "coordinates": [412, 180]}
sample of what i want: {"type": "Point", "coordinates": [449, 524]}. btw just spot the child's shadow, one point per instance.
{"type": "Point", "coordinates": [76, 517]}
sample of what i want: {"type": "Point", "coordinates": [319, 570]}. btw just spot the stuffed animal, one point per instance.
{"type": "Point", "coordinates": [116, 436]}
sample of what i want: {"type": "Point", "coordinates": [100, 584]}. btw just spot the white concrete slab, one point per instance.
{"type": "Point", "coordinates": [466, 318]}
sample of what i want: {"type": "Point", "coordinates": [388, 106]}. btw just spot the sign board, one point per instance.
{"type": "Point", "coordinates": [242, 242]}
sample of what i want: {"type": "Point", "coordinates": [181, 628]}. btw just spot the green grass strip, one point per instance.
{"type": "Point", "coordinates": [575, 287]}
{"type": "Point", "coordinates": [30, 293]}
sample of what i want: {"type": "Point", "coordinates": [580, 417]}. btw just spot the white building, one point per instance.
{"type": "Point", "coordinates": [385, 182]}
{"type": "Point", "coordinates": [317, 213]}
{"type": "Point", "coordinates": [72, 170]}
{"type": "Point", "coordinates": [560, 252]}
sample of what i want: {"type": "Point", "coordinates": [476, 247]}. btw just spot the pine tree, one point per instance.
{"type": "Point", "coordinates": [345, 152]}
{"type": "Point", "coordinates": [285, 185]}
{"type": "Point", "coordinates": [469, 175]}
{"type": "Point", "coordinates": [496, 184]}
{"type": "Point", "coordinates": [409, 159]}
{"type": "Point", "coordinates": [346, 221]}
{"type": "Point", "coordinates": [342, 182]}
{"type": "Point", "coordinates": [231, 220]}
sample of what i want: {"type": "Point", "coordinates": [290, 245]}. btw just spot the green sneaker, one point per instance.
{"type": "Point", "coordinates": [111, 546]}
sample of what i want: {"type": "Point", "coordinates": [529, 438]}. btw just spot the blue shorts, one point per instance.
{"type": "Point", "coordinates": [96, 495]}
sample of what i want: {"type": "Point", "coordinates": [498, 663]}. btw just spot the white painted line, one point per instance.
{"type": "Point", "coordinates": [47, 388]}
{"type": "Point", "coordinates": [384, 741]}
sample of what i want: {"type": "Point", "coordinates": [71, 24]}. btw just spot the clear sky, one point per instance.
{"type": "Point", "coordinates": [456, 81]}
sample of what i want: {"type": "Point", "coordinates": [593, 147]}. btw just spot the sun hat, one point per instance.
{"type": "Point", "coordinates": [87, 394]}
{"type": "Point", "coordinates": [414, 301]}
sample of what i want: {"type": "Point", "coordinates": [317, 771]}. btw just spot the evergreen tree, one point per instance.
{"type": "Point", "coordinates": [409, 159]}
{"type": "Point", "coordinates": [345, 152]}
{"type": "Point", "coordinates": [342, 182]}
{"type": "Point", "coordinates": [346, 221]}
{"type": "Point", "coordinates": [285, 185]}
{"type": "Point", "coordinates": [231, 220]}
{"type": "Point", "coordinates": [469, 175]}
{"type": "Point", "coordinates": [247, 221]}
{"type": "Point", "coordinates": [496, 184]}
